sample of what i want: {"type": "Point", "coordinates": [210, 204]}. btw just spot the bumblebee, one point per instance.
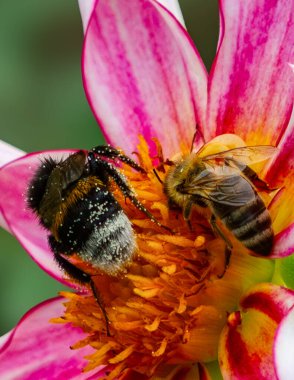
{"type": "Point", "coordinates": [73, 201]}
{"type": "Point", "coordinates": [223, 187]}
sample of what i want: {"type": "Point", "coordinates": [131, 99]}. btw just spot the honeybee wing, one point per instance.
{"type": "Point", "coordinates": [243, 156]}
{"type": "Point", "coordinates": [220, 186]}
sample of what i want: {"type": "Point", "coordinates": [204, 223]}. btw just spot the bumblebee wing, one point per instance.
{"type": "Point", "coordinates": [246, 155]}
{"type": "Point", "coordinates": [232, 190]}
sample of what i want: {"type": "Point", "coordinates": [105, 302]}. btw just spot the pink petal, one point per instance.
{"type": "Point", "coordinates": [174, 7]}
{"type": "Point", "coordinates": [280, 169]}
{"type": "Point", "coordinates": [38, 349]}
{"type": "Point", "coordinates": [8, 153]}
{"type": "Point", "coordinates": [142, 75]}
{"type": "Point", "coordinates": [86, 8]}
{"type": "Point", "coordinates": [284, 243]}
{"type": "Point", "coordinates": [246, 344]}
{"type": "Point", "coordinates": [284, 347]}
{"type": "Point", "coordinates": [251, 82]}
{"type": "Point", "coordinates": [14, 180]}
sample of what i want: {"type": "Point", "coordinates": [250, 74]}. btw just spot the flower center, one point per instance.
{"type": "Point", "coordinates": [170, 303]}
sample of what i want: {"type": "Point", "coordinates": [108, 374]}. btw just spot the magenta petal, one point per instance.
{"type": "Point", "coordinates": [86, 8]}
{"type": "Point", "coordinates": [284, 347]}
{"type": "Point", "coordinates": [251, 82]}
{"type": "Point", "coordinates": [38, 349]}
{"type": "Point", "coordinates": [281, 168]}
{"type": "Point", "coordinates": [247, 342]}
{"type": "Point", "coordinates": [284, 243]}
{"type": "Point", "coordinates": [174, 7]}
{"type": "Point", "coordinates": [8, 153]}
{"type": "Point", "coordinates": [14, 180]}
{"type": "Point", "coordinates": [142, 75]}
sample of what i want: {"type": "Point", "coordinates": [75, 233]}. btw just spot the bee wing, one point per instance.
{"type": "Point", "coordinates": [229, 189]}
{"type": "Point", "coordinates": [246, 155]}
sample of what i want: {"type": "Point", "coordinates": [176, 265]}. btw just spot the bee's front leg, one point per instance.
{"type": "Point", "coordinates": [228, 249]}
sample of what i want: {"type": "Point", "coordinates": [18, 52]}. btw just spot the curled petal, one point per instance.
{"type": "Point", "coordinates": [142, 75]}
{"type": "Point", "coordinates": [284, 243]}
{"type": "Point", "coordinates": [280, 173]}
{"type": "Point", "coordinates": [14, 182]}
{"type": "Point", "coordinates": [86, 8]}
{"type": "Point", "coordinates": [246, 344]}
{"type": "Point", "coordinates": [251, 82]}
{"type": "Point", "coordinates": [174, 7]}
{"type": "Point", "coordinates": [284, 348]}
{"type": "Point", "coordinates": [280, 168]}
{"type": "Point", "coordinates": [38, 349]}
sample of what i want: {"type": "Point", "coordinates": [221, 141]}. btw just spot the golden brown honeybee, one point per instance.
{"type": "Point", "coordinates": [222, 186]}
{"type": "Point", "coordinates": [73, 200]}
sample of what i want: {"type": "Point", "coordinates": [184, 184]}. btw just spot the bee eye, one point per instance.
{"type": "Point", "coordinates": [180, 187]}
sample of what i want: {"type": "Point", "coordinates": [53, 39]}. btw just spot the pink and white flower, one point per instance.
{"type": "Point", "coordinates": [143, 76]}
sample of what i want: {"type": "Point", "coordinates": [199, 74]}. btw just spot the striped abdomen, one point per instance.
{"type": "Point", "coordinates": [250, 224]}
{"type": "Point", "coordinates": [96, 229]}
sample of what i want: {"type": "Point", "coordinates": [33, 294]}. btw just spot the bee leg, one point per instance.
{"type": "Point", "coordinates": [228, 252]}
{"type": "Point", "coordinates": [101, 305]}
{"type": "Point", "coordinates": [112, 153]}
{"type": "Point", "coordinates": [157, 176]}
{"type": "Point", "coordinates": [257, 182]}
{"type": "Point", "coordinates": [196, 135]}
{"type": "Point", "coordinates": [82, 278]}
{"type": "Point", "coordinates": [229, 246]}
{"type": "Point", "coordinates": [218, 231]}
{"type": "Point", "coordinates": [187, 213]}
{"type": "Point", "coordinates": [251, 175]}
{"type": "Point", "coordinates": [98, 165]}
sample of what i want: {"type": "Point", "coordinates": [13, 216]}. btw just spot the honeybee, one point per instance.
{"type": "Point", "coordinates": [73, 201]}
{"type": "Point", "coordinates": [222, 186]}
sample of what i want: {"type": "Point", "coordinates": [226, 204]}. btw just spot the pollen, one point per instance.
{"type": "Point", "coordinates": [169, 304]}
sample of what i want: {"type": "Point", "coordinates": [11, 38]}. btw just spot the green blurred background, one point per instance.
{"type": "Point", "coordinates": [42, 106]}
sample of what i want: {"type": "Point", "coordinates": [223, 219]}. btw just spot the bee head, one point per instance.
{"type": "Point", "coordinates": [37, 186]}
{"type": "Point", "coordinates": [50, 182]}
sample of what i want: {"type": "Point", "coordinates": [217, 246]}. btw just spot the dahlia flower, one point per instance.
{"type": "Point", "coordinates": [173, 310]}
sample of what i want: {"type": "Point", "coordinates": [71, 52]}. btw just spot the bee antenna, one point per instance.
{"type": "Point", "coordinates": [157, 176]}
{"type": "Point", "coordinates": [199, 133]}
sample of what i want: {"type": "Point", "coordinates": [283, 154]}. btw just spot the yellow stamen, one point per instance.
{"type": "Point", "coordinates": [169, 305]}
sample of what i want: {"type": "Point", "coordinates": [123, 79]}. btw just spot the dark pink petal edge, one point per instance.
{"type": "Point", "coordinates": [284, 243]}
{"type": "Point", "coordinates": [21, 222]}
{"type": "Point", "coordinates": [39, 349]}
{"type": "Point", "coordinates": [281, 168]}
{"type": "Point", "coordinates": [284, 347]}
{"type": "Point", "coordinates": [142, 75]}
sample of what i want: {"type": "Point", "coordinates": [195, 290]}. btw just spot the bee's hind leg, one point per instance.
{"type": "Point", "coordinates": [82, 278]}
{"type": "Point", "coordinates": [228, 252]}
{"type": "Point", "coordinates": [228, 248]}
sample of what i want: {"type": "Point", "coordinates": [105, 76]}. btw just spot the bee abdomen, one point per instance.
{"type": "Point", "coordinates": [97, 229]}
{"type": "Point", "coordinates": [251, 225]}
{"type": "Point", "coordinates": [111, 246]}
{"type": "Point", "coordinates": [87, 213]}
